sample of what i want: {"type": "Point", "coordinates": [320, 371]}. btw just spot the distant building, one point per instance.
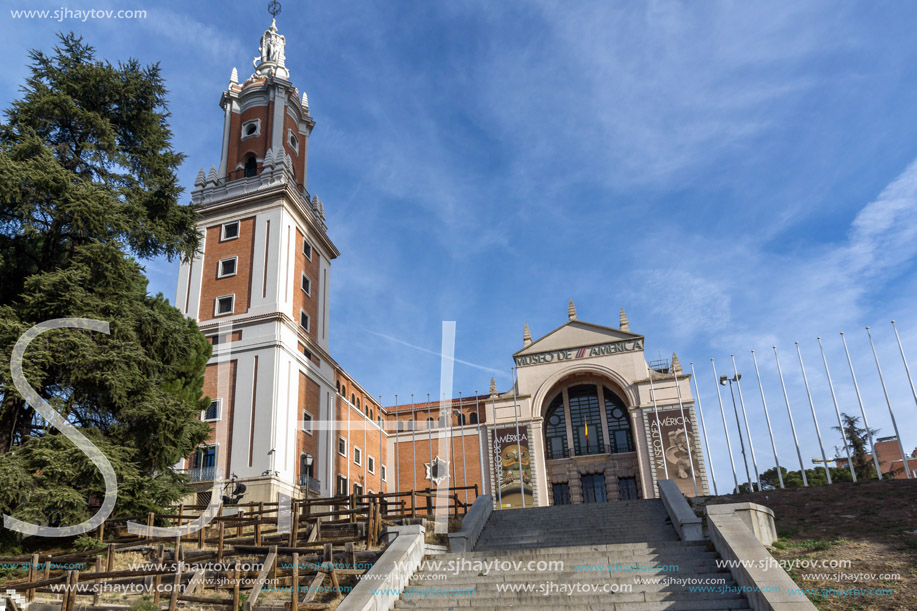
{"type": "Point", "coordinates": [588, 419]}
{"type": "Point", "coordinates": [891, 463]}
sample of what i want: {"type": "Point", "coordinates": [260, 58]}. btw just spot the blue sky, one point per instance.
{"type": "Point", "coordinates": [735, 175]}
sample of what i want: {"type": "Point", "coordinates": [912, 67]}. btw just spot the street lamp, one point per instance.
{"type": "Point", "coordinates": [723, 381]}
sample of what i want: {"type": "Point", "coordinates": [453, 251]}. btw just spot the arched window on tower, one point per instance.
{"type": "Point", "coordinates": [556, 429]}
{"type": "Point", "coordinates": [459, 419]}
{"type": "Point", "coordinates": [621, 437]}
{"type": "Point", "coordinates": [473, 418]}
{"type": "Point", "coordinates": [430, 423]}
{"type": "Point", "coordinates": [251, 167]}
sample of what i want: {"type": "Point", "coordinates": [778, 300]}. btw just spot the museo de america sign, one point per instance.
{"type": "Point", "coordinates": [628, 345]}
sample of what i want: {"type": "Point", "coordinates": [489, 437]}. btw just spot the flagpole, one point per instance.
{"type": "Point", "coordinates": [498, 468]}
{"type": "Point", "coordinates": [684, 425]}
{"type": "Point", "coordinates": [786, 397]}
{"type": "Point", "coordinates": [430, 435]}
{"type": "Point", "coordinates": [751, 445]}
{"type": "Point", "coordinates": [413, 443]}
{"type": "Point", "coordinates": [904, 358]}
{"type": "Point", "coordinates": [837, 410]}
{"type": "Point", "coordinates": [700, 412]}
{"type": "Point", "coordinates": [767, 417]}
{"type": "Point", "coordinates": [464, 476]}
{"type": "Point", "coordinates": [719, 397]}
{"type": "Point", "coordinates": [805, 380]}
{"type": "Point", "coordinates": [856, 387]}
{"type": "Point", "coordinates": [477, 411]}
{"type": "Point", "coordinates": [397, 458]}
{"type": "Point", "coordinates": [518, 442]}
{"type": "Point", "coordinates": [891, 412]}
{"type": "Point", "coordinates": [665, 465]}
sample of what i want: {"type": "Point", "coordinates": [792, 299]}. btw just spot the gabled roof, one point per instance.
{"type": "Point", "coordinates": [576, 334]}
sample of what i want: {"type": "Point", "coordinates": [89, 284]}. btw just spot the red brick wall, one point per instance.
{"type": "Point", "coordinates": [240, 284]}
{"type": "Point", "coordinates": [301, 300]}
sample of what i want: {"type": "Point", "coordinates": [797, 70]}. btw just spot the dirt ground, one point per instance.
{"type": "Point", "coordinates": [873, 525]}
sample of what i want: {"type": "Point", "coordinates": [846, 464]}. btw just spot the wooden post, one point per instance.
{"type": "Point", "coordinates": [33, 576]}
{"type": "Point", "coordinates": [65, 601]}
{"type": "Point", "coordinates": [413, 503]}
{"type": "Point", "coordinates": [110, 558]}
{"type": "Point", "coordinates": [98, 584]}
{"type": "Point", "coordinates": [149, 526]}
{"type": "Point", "coordinates": [241, 516]}
{"type": "Point", "coordinates": [102, 531]}
{"type": "Point", "coordinates": [235, 587]}
{"type": "Point", "coordinates": [353, 507]}
{"type": "Point", "coordinates": [294, 525]}
{"type": "Point", "coordinates": [181, 513]}
{"type": "Point", "coordinates": [48, 568]}
{"type": "Point", "coordinates": [157, 582]}
{"type": "Point", "coordinates": [328, 553]}
{"type": "Point", "coordinates": [274, 564]}
{"type": "Point", "coordinates": [294, 599]}
{"type": "Point", "coordinates": [369, 522]}
{"type": "Point", "coordinates": [173, 599]}
{"type": "Point", "coordinates": [220, 544]}
{"type": "Point", "coordinates": [350, 555]}
{"type": "Point", "coordinates": [258, 524]}
{"type": "Point", "coordinates": [200, 537]}
{"type": "Point", "coordinates": [74, 583]}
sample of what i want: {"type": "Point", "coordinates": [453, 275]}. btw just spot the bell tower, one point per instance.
{"type": "Point", "coordinates": [259, 289]}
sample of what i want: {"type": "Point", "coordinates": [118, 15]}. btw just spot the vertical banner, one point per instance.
{"type": "Point", "coordinates": [513, 467]}
{"type": "Point", "coordinates": [667, 431]}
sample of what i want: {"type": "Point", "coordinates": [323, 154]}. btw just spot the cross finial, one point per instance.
{"type": "Point", "coordinates": [273, 7]}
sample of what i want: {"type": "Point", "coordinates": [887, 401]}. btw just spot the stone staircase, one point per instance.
{"type": "Point", "coordinates": [603, 548]}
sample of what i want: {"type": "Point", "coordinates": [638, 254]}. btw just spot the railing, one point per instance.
{"type": "Point", "coordinates": [307, 481]}
{"type": "Point", "coordinates": [201, 474]}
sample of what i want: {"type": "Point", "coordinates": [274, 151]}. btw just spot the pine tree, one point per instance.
{"type": "Point", "coordinates": [88, 187]}
{"type": "Point", "coordinates": [858, 440]}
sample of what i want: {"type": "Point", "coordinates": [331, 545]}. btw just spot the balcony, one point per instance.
{"type": "Point", "coordinates": [307, 481]}
{"type": "Point", "coordinates": [201, 474]}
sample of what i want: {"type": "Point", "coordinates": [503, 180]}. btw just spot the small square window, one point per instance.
{"type": "Point", "coordinates": [212, 413]}
{"type": "Point", "coordinates": [229, 231]}
{"type": "Point", "coordinates": [303, 320]}
{"type": "Point", "coordinates": [357, 456]}
{"type": "Point", "coordinates": [227, 267]}
{"type": "Point", "coordinates": [306, 285]}
{"type": "Point", "coordinates": [370, 464]}
{"type": "Point", "coordinates": [341, 486]}
{"type": "Point", "coordinates": [307, 249]}
{"type": "Point", "coordinates": [342, 446]}
{"type": "Point", "coordinates": [384, 474]}
{"type": "Point", "coordinates": [307, 422]}
{"type": "Point", "coordinates": [224, 305]}
{"type": "Point", "coordinates": [358, 489]}
{"type": "Point", "coordinates": [251, 129]}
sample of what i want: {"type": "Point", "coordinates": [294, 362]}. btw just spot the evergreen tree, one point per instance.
{"type": "Point", "coordinates": [87, 184]}
{"type": "Point", "coordinates": [860, 452]}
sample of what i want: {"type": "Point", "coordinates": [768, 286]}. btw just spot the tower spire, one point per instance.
{"type": "Point", "coordinates": [571, 311]}
{"type": "Point", "coordinates": [526, 335]}
{"type": "Point", "coordinates": [624, 325]}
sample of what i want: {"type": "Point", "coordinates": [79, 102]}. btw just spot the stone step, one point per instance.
{"type": "Point", "coordinates": [694, 601]}
{"type": "Point", "coordinates": [611, 548]}
{"type": "Point", "coordinates": [491, 583]}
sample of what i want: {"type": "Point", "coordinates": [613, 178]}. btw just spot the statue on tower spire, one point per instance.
{"type": "Point", "coordinates": [271, 58]}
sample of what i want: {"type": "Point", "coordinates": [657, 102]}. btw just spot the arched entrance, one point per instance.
{"type": "Point", "coordinates": [590, 451]}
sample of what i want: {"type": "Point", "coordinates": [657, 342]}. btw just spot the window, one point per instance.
{"type": "Point", "coordinates": [342, 446]}
{"type": "Point", "coordinates": [561, 494]}
{"type": "Point", "coordinates": [357, 403]}
{"type": "Point", "coordinates": [400, 426]}
{"type": "Point", "coordinates": [460, 419]}
{"type": "Point", "coordinates": [213, 412]}
{"type": "Point", "coordinates": [341, 488]}
{"type": "Point", "coordinates": [251, 129]}
{"type": "Point", "coordinates": [229, 231]}
{"type": "Point", "coordinates": [307, 422]}
{"type": "Point", "coordinates": [358, 489]}
{"type": "Point", "coordinates": [384, 474]}
{"type": "Point", "coordinates": [594, 488]}
{"type": "Point", "coordinates": [370, 464]}
{"type": "Point", "coordinates": [556, 429]}
{"type": "Point", "coordinates": [442, 422]}
{"type": "Point", "coordinates": [357, 456]}
{"type": "Point", "coordinates": [353, 399]}
{"type": "Point", "coordinates": [307, 249]}
{"type": "Point", "coordinates": [251, 167]}
{"type": "Point", "coordinates": [621, 438]}
{"type": "Point", "coordinates": [371, 416]}
{"type": "Point", "coordinates": [586, 420]}
{"type": "Point", "coordinates": [294, 141]}
{"type": "Point", "coordinates": [473, 418]}
{"type": "Point", "coordinates": [227, 267]}
{"type": "Point", "coordinates": [343, 391]}
{"type": "Point", "coordinates": [627, 488]}
{"type": "Point", "coordinates": [303, 320]}
{"type": "Point", "coordinates": [430, 424]}
{"type": "Point", "coordinates": [224, 305]}
{"type": "Point", "coordinates": [306, 285]}
{"type": "Point", "coordinates": [338, 385]}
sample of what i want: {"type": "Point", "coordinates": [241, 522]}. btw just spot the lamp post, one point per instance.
{"type": "Point", "coordinates": [723, 381]}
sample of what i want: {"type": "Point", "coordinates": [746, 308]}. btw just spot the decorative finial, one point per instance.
{"type": "Point", "coordinates": [526, 335]}
{"type": "Point", "coordinates": [571, 311]}
{"type": "Point", "coordinates": [675, 367]}
{"type": "Point", "coordinates": [305, 100]}
{"type": "Point", "coordinates": [623, 325]}
{"type": "Point", "coordinates": [273, 7]}
{"type": "Point", "coordinates": [234, 77]}
{"type": "Point", "coordinates": [493, 387]}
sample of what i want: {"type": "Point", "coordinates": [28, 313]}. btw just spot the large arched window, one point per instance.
{"type": "Point", "coordinates": [460, 419]}
{"type": "Point", "coordinates": [620, 435]}
{"type": "Point", "coordinates": [586, 420]}
{"type": "Point", "coordinates": [556, 429]}
{"type": "Point", "coordinates": [473, 418]}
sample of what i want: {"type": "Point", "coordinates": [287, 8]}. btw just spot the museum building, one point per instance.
{"type": "Point", "coordinates": [587, 419]}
